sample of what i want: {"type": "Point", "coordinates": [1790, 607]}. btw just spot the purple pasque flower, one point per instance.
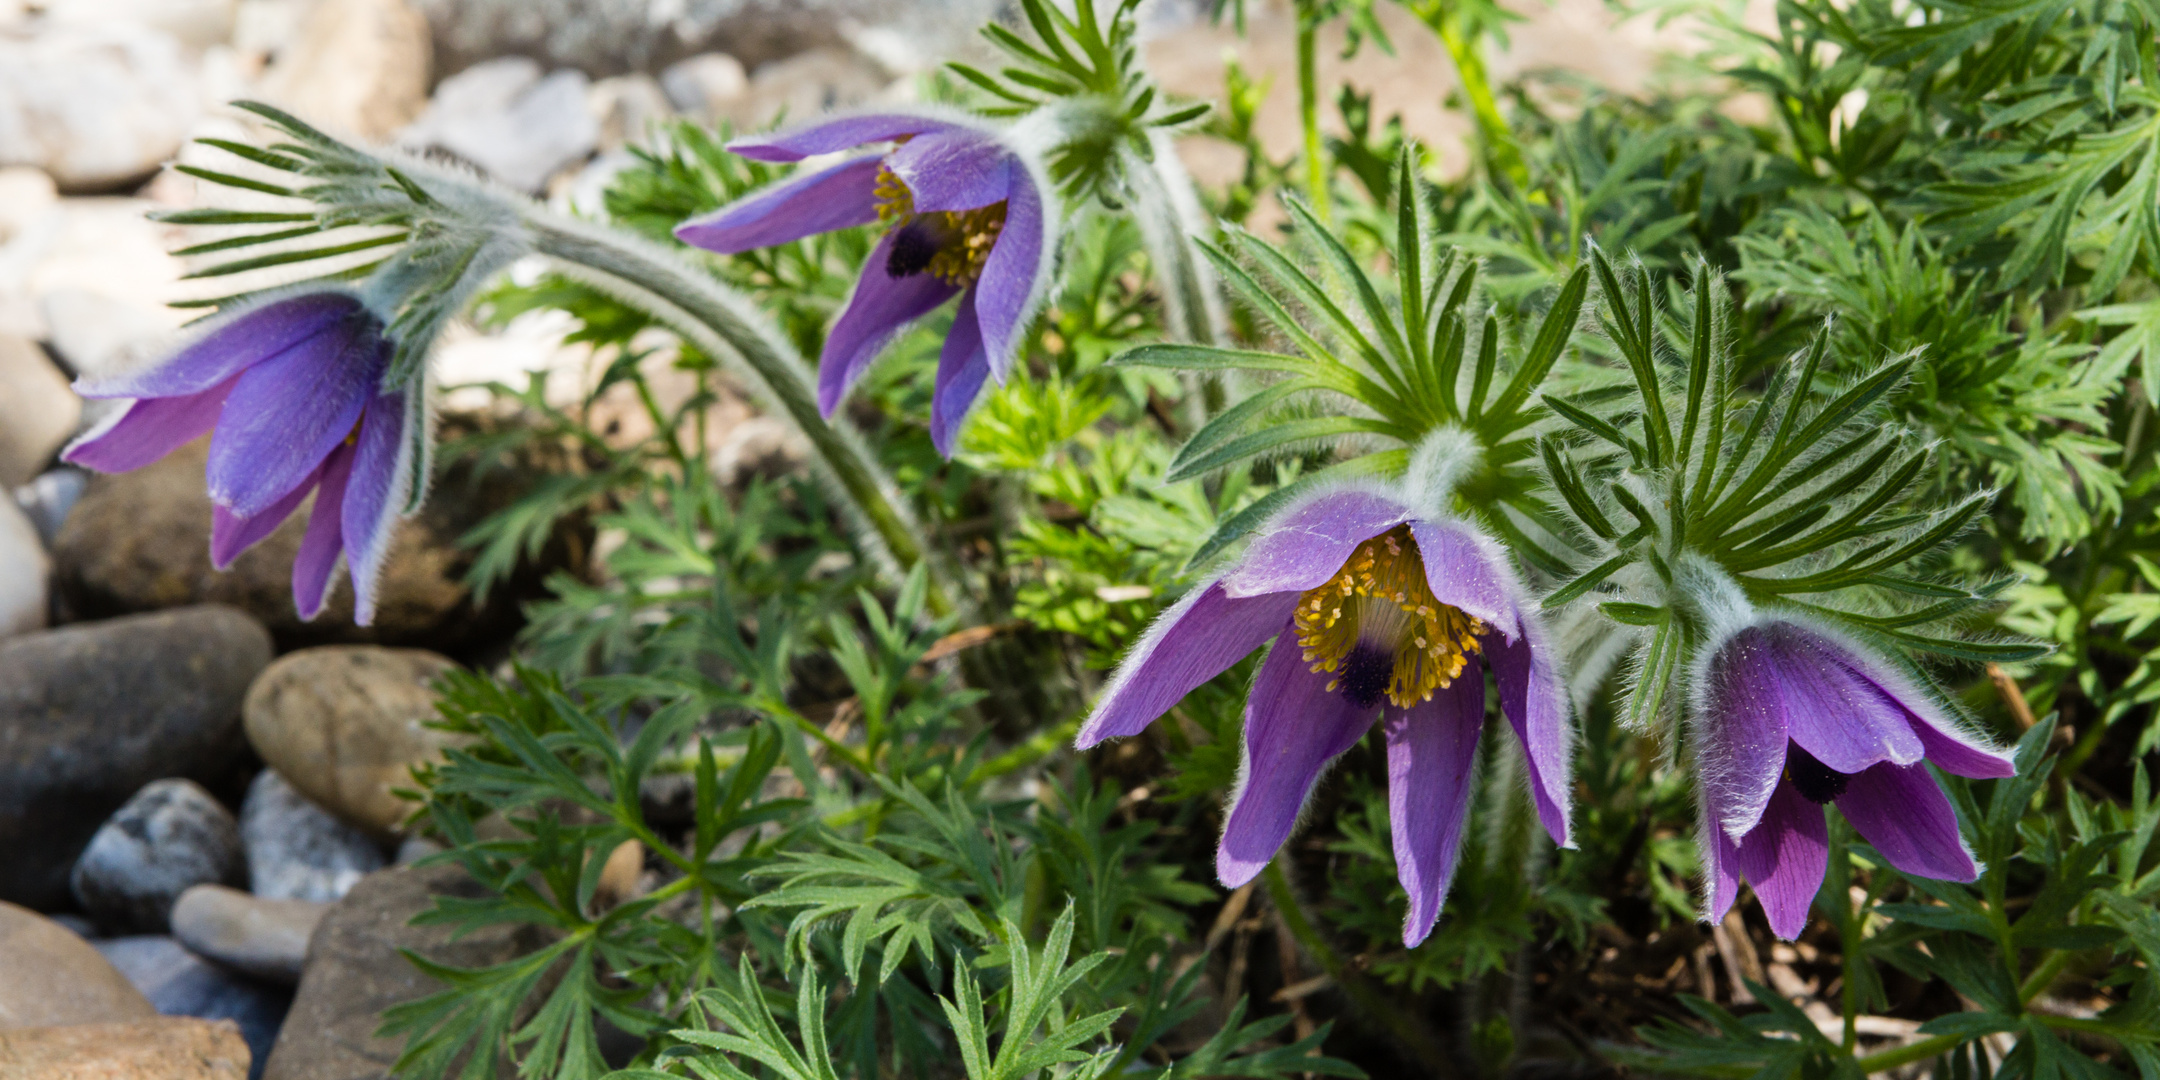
{"type": "Point", "coordinates": [1792, 716]}
{"type": "Point", "coordinates": [1378, 613]}
{"type": "Point", "coordinates": [967, 219]}
{"type": "Point", "coordinates": [291, 390]}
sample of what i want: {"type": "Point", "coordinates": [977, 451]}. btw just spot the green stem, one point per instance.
{"type": "Point", "coordinates": [1376, 1006]}
{"type": "Point", "coordinates": [1909, 1053]}
{"type": "Point", "coordinates": [1502, 157]}
{"type": "Point", "coordinates": [1037, 747]}
{"type": "Point", "coordinates": [1308, 84]}
{"type": "Point", "coordinates": [1188, 289]}
{"type": "Point", "coordinates": [2037, 983]}
{"type": "Point", "coordinates": [720, 322]}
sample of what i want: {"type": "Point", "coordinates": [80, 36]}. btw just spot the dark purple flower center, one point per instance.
{"type": "Point", "coordinates": [914, 245]}
{"type": "Point", "coordinates": [1365, 674]}
{"type": "Point", "coordinates": [1816, 782]}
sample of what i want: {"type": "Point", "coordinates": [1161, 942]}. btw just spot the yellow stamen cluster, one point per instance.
{"type": "Point", "coordinates": [1380, 598]}
{"type": "Point", "coordinates": [967, 235]}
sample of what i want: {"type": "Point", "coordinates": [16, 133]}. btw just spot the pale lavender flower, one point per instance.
{"type": "Point", "coordinates": [292, 390]}
{"type": "Point", "coordinates": [1379, 614]}
{"type": "Point", "coordinates": [968, 219]}
{"type": "Point", "coordinates": [1791, 717]}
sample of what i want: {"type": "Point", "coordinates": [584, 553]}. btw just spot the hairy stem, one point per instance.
{"type": "Point", "coordinates": [1376, 1006]}
{"type": "Point", "coordinates": [1308, 84]}
{"type": "Point", "coordinates": [1502, 157]}
{"type": "Point", "coordinates": [719, 322]}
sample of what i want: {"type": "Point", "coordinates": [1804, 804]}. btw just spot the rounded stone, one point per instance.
{"type": "Point", "coordinates": [344, 725]}
{"type": "Point", "coordinates": [264, 938]}
{"type": "Point", "coordinates": [170, 837]}
{"type": "Point", "coordinates": [38, 410]}
{"type": "Point", "coordinates": [25, 573]}
{"type": "Point", "coordinates": [158, 1048]}
{"type": "Point", "coordinates": [296, 850]}
{"type": "Point", "coordinates": [90, 713]}
{"type": "Point", "coordinates": [180, 983]}
{"type": "Point", "coordinates": [55, 977]}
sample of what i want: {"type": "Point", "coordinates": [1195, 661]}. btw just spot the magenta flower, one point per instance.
{"type": "Point", "coordinates": [967, 219]}
{"type": "Point", "coordinates": [1792, 717]}
{"type": "Point", "coordinates": [1381, 614]}
{"type": "Point", "coordinates": [292, 390]}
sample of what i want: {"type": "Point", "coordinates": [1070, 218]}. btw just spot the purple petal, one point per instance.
{"type": "Point", "coordinates": [1197, 639]}
{"type": "Point", "coordinates": [1785, 858]}
{"type": "Point", "coordinates": [287, 414]}
{"type": "Point", "coordinates": [1304, 546]}
{"type": "Point", "coordinates": [1951, 746]}
{"type": "Point", "coordinates": [962, 367]}
{"type": "Point", "coordinates": [837, 134]}
{"type": "Point", "coordinates": [324, 542]}
{"type": "Point", "coordinates": [1829, 709]}
{"type": "Point", "coordinates": [1466, 570]}
{"type": "Point", "coordinates": [1294, 726]}
{"type": "Point", "coordinates": [1536, 705]}
{"type": "Point", "coordinates": [149, 429]}
{"type": "Point", "coordinates": [1432, 751]}
{"type": "Point", "coordinates": [232, 345]}
{"type": "Point", "coordinates": [231, 534]}
{"type": "Point", "coordinates": [1721, 869]}
{"type": "Point", "coordinates": [955, 169]}
{"type": "Point", "coordinates": [881, 306]}
{"type": "Point", "coordinates": [837, 198]}
{"type": "Point", "coordinates": [369, 501]}
{"type": "Point", "coordinates": [1014, 272]}
{"type": "Point", "coordinates": [1904, 813]}
{"type": "Point", "coordinates": [1741, 749]}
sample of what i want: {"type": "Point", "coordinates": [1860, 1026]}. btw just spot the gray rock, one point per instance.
{"type": "Point", "coordinates": [264, 938]}
{"type": "Point", "coordinates": [505, 118]}
{"type": "Point", "coordinates": [37, 410]}
{"type": "Point", "coordinates": [608, 37]}
{"type": "Point", "coordinates": [55, 977]}
{"type": "Point", "coordinates": [180, 983]}
{"type": "Point", "coordinates": [98, 107]}
{"type": "Point", "coordinates": [355, 971]}
{"type": "Point", "coordinates": [296, 850]}
{"type": "Point", "coordinates": [806, 86]}
{"type": "Point", "coordinates": [170, 837]}
{"type": "Point", "coordinates": [25, 574]}
{"type": "Point", "coordinates": [627, 107]}
{"type": "Point", "coordinates": [90, 713]}
{"type": "Point", "coordinates": [47, 499]}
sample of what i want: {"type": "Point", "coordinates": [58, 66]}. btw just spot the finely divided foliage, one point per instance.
{"type": "Point", "coordinates": [1680, 594]}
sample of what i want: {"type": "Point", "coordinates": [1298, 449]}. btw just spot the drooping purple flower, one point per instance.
{"type": "Point", "coordinates": [967, 219]}
{"type": "Point", "coordinates": [1376, 613]}
{"type": "Point", "coordinates": [1792, 717]}
{"type": "Point", "coordinates": [291, 389]}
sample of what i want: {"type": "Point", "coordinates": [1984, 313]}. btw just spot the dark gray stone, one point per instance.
{"type": "Point", "coordinates": [180, 983]}
{"type": "Point", "coordinates": [47, 499]}
{"type": "Point", "coordinates": [355, 971]}
{"type": "Point", "coordinates": [91, 713]}
{"type": "Point", "coordinates": [171, 836]}
{"type": "Point", "coordinates": [295, 849]}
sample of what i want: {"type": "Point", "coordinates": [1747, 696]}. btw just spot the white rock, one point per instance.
{"type": "Point", "coordinates": [706, 84]}
{"type": "Point", "coordinates": [503, 117]}
{"type": "Point", "coordinates": [25, 573]}
{"type": "Point", "coordinates": [760, 446]}
{"type": "Point", "coordinates": [101, 246]}
{"type": "Point", "coordinates": [530, 344]}
{"type": "Point", "coordinates": [807, 85]}
{"type": "Point", "coordinates": [37, 410]}
{"type": "Point", "coordinates": [354, 67]}
{"type": "Point", "coordinates": [99, 335]}
{"type": "Point", "coordinates": [25, 194]}
{"type": "Point", "coordinates": [97, 107]}
{"type": "Point", "coordinates": [297, 850]}
{"type": "Point", "coordinates": [627, 107]}
{"type": "Point", "coordinates": [197, 24]}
